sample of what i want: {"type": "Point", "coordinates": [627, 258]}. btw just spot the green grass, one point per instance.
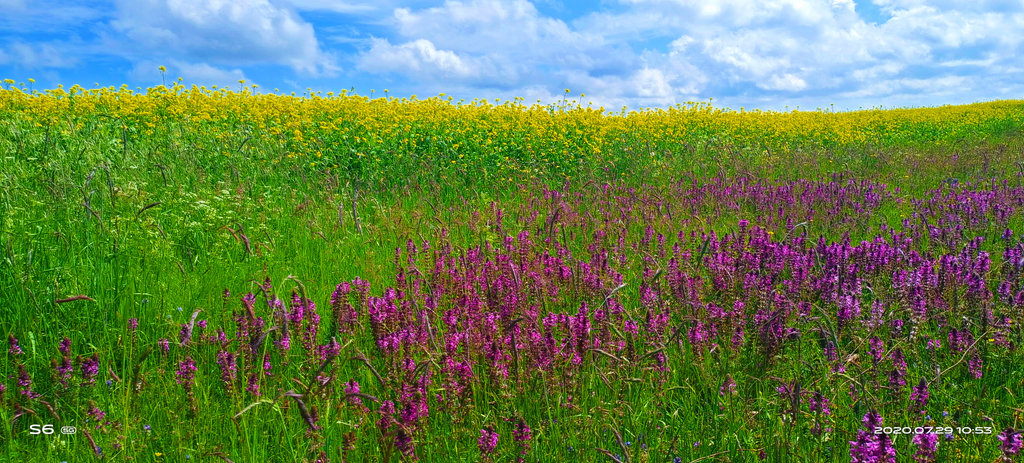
{"type": "Point", "coordinates": [158, 224]}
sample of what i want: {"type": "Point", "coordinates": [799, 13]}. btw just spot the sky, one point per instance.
{"type": "Point", "coordinates": [753, 54]}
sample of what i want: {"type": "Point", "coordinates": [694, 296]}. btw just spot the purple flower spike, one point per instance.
{"type": "Point", "coordinates": [352, 387]}
{"type": "Point", "coordinates": [872, 420]}
{"type": "Point", "coordinates": [65, 346]}
{"type": "Point", "coordinates": [974, 366]}
{"type": "Point", "coordinates": [90, 368]}
{"type": "Point", "coordinates": [728, 386]}
{"type": "Point", "coordinates": [186, 373]}
{"type": "Point", "coordinates": [919, 395]}
{"type": "Point", "coordinates": [522, 433]}
{"type": "Point", "coordinates": [14, 349]}
{"type": "Point", "coordinates": [488, 440]}
{"type": "Point", "coordinates": [870, 447]}
{"type": "Point", "coordinates": [926, 445]}
{"type": "Point", "coordinates": [1012, 441]}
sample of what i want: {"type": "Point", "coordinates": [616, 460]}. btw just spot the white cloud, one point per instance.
{"type": "Point", "coordinates": [785, 82]}
{"type": "Point", "coordinates": [205, 74]}
{"type": "Point", "coordinates": [231, 32]}
{"type": "Point", "coordinates": [334, 6]}
{"type": "Point", "coordinates": [765, 49]}
{"type": "Point", "coordinates": [418, 57]}
{"type": "Point", "coordinates": [652, 84]}
{"type": "Point", "coordinates": [510, 48]}
{"type": "Point", "coordinates": [764, 53]}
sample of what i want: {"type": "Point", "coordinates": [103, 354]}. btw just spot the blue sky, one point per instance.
{"type": "Point", "coordinates": [767, 54]}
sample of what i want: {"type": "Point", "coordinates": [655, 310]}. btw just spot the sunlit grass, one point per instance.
{"type": "Point", "coordinates": [153, 204]}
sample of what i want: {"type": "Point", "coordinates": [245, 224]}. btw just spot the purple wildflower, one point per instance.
{"type": "Point", "coordinates": [64, 370]}
{"type": "Point", "coordinates": [186, 373]}
{"type": "Point", "coordinates": [64, 346]}
{"type": "Point", "coordinates": [90, 368]}
{"type": "Point", "coordinates": [899, 371]}
{"type": "Point", "coordinates": [25, 381]}
{"type": "Point", "coordinates": [974, 365]}
{"type": "Point", "coordinates": [228, 363]}
{"type": "Point", "coordinates": [919, 394]}
{"type": "Point", "coordinates": [728, 386]}
{"type": "Point", "coordinates": [133, 324]}
{"type": "Point", "coordinates": [488, 440]}
{"type": "Point", "coordinates": [285, 342]}
{"type": "Point", "coordinates": [14, 349]}
{"type": "Point", "coordinates": [165, 345]}
{"type": "Point", "coordinates": [819, 404]}
{"type": "Point", "coordinates": [253, 386]}
{"type": "Point", "coordinates": [1012, 442]}
{"type": "Point", "coordinates": [352, 387]}
{"type": "Point", "coordinates": [926, 444]}
{"type": "Point", "coordinates": [522, 433]}
{"type": "Point", "coordinates": [872, 420]}
{"type": "Point", "coordinates": [877, 348]}
{"type": "Point", "coordinates": [328, 351]}
{"type": "Point", "coordinates": [96, 414]}
{"type": "Point", "coordinates": [871, 447]}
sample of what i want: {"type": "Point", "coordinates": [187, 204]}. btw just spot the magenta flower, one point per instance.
{"type": "Point", "coordinates": [728, 386]}
{"type": "Point", "coordinates": [522, 433]}
{"type": "Point", "coordinates": [926, 445]}
{"type": "Point", "coordinates": [974, 366]}
{"type": "Point", "coordinates": [1012, 441]}
{"type": "Point", "coordinates": [819, 404]}
{"type": "Point", "coordinates": [186, 373]}
{"type": "Point", "coordinates": [253, 385]}
{"type": "Point", "coordinates": [352, 387]}
{"type": "Point", "coordinates": [65, 346]}
{"type": "Point", "coordinates": [90, 369]}
{"type": "Point", "coordinates": [919, 394]}
{"type": "Point", "coordinates": [870, 447]}
{"type": "Point", "coordinates": [876, 348]}
{"type": "Point", "coordinates": [14, 349]}
{"type": "Point", "coordinates": [25, 381]}
{"type": "Point", "coordinates": [64, 370]}
{"type": "Point", "coordinates": [488, 440]}
{"type": "Point", "coordinates": [96, 414]}
{"type": "Point", "coordinates": [228, 363]}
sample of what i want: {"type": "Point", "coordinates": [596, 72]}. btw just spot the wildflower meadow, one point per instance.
{"type": "Point", "coordinates": [238, 275]}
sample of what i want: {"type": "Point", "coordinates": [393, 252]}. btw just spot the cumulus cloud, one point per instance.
{"type": "Point", "coordinates": [783, 49]}
{"type": "Point", "coordinates": [764, 53]}
{"type": "Point", "coordinates": [335, 6]}
{"type": "Point", "coordinates": [419, 57]}
{"type": "Point", "coordinates": [227, 32]}
{"type": "Point", "coordinates": [504, 45]}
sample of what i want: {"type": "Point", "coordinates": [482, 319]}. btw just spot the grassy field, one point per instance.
{"type": "Point", "coordinates": [192, 274]}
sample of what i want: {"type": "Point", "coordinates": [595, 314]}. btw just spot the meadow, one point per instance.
{"type": "Point", "coordinates": [211, 274]}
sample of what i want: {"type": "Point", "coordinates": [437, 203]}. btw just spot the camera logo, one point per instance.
{"type": "Point", "coordinates": [47, 429]}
